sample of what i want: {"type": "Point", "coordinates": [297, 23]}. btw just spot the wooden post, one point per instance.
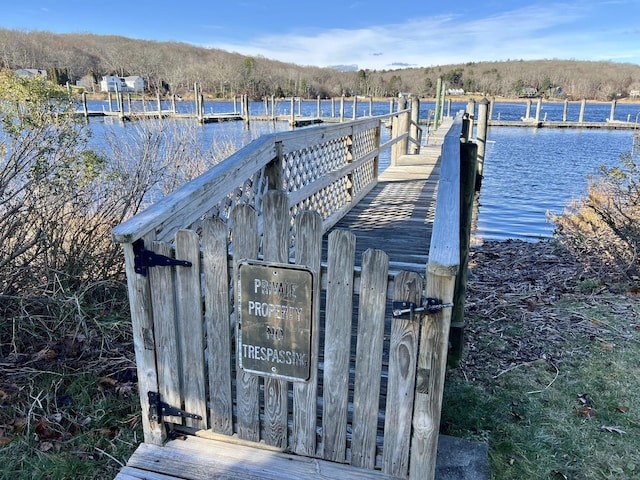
{"type": "Point", "coordinates": [491, 105]}
{"type": "Point", "coordinates": [394, 135]}
{"type": "Point", "coordinates": [273, 107]}
{"type": "Point", "coordinates": [449, 103]}
{"type": "Point", "coordinates": [159, 103]}
{"type": "Point", "coordinates": [527, 113]}
{"type": "Point", "coordinates": [391, 102]}
{"type": "Point", "coordinates": [538, 109]}
{"type": "Point", "coordinates": [415, 114]}
{"type": "Point", "coordinates": [196, 100]}
{"type": "Point", "coordinates": [235, 104]}
{"type": "Point", "coordinates": [110, 101]}
{"type": "Point", "coordinates": [247, 110]}
{"type": "Point", "coordinates": [300, 106]}
{"type": "Point", "coordinates": [333, 107]}
{"type": "Point", "coordinates": [318, 107]}
{"type": "Point", "coordinates": [404, 122]}
{"type": "Point", "coordinates": [612, 114]}
{"type": "Point", "coordinates": [342, 109]}
{"type": "Point", "coordinates": [468, 185]}
{"type": "Point", "coordinates": [355, 107]}
{"type": "Point", "coordinates": [436, 115]}
{"type": "Point", "coordinates": [565, 110]}
{"type": "Point", "coordinates": [173, 103]}
{"type": "Point", "coordinates": [371, 106]}
{"type": "Point", "coordinates": [84, 104]}
{"type": "Point", "coordinates": [442, 99]}
{"type": "Point", "coordinates": [265, 101]}
{"type": "Point", "coordinates": [481, 138]}
{"type": "Point", "coordinates": [293, 111]}
{"type": "Point", "coordinates": [471, 111]}
{"type": "Point", "coordinates": [583, 106]}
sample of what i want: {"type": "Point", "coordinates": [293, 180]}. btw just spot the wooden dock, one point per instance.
{"type": "Point", "coordinates": [362, 397]}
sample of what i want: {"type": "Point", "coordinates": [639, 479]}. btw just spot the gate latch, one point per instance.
{"type": "Point", "coordinates": [430, 306]}
{"type": "Point", "coordinates": [144, 259]}
{"type": "Point", "coordinates": [159, 409]}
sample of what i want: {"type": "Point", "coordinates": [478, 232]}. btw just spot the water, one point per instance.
{"type": "Point", "coordinates": [527, 173]}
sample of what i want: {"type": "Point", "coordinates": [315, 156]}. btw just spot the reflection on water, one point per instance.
{"type": "Point", "coordinates": [529, 172]}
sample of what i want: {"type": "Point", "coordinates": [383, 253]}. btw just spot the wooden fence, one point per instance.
{"type": "Point", "coordinates": [370, 393]}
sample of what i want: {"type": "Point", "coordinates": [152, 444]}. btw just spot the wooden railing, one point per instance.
{"type": "Point", "coordinates": [327, 168]}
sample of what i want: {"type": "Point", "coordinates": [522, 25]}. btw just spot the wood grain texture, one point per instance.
{"type": "Point", "coordinates": [245, 246]}
{"type": "Point", "coordinates": [190, 327]}
{"type": "Point", "coordinates": [276, 249]}
{"type": "Point", "coordinates": [217, 322]}
{"type": "Point", "coordinates": [308, 236]}
{"type": "Point", "coordinates": [337, 345]}
{"type": "Point", "coordinates": [366, 390]}
{"type": "Point", "coordinates": [162, 286]}
{"type": "Point", "coordinates": [403, 352]}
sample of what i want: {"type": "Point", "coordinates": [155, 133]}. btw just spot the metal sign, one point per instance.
{"type": "Point", "coordinates": [275, 318]}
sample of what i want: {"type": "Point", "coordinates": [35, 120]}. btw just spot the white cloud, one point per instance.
{"type": "Point", "coordinates": [548, 31]}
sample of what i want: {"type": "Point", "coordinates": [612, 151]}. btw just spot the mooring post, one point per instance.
{"type": "Point", "coordinates": [235, 104]}
{"type": "Point", "coordinates": [565, 109]}
{"type": "Point", "coordinates": [415, 117]}
{"type": "Point", "coordinates": [247, 112]}
{"type": "Point", "coordinates": [300, 106]}
{"type": "Point", "coordinates": [471, 111]}
{"type": "Point", "coordinates": [159, 103]}
{"type": "Point", "coordinates": [342, 108]}
{"type": "Point", "coordinates": [583, 106]}
{"type": "Point", "coordinates": [265, 102]}
{"type": "Point", "coordinates": [173, 103]}
{"type": "Point", "coordinates": [491, 105]}
{"type": "Point", "coordinates": [527, 113]}
{"type": "Point", "coordinates": [84, 105]}
{"type": "Point", "coordinates": [371, 105]}
{"type": "Point", "coordinates": [612, 115]}
{"type": "Point", "coordinates": [481, 138]}
{"type": "Point", "coordinates": [273, 107]}
{"type": "Point", "coordinates": [468, 184]}
{"type": "Point", "coordinates": [293, 111]}
{"type": "Point", "coordinates": [449, 103]}
{"type": "Point", "coordinates": [110, 101]}
{"type": "Point", "coordinates": [436, 116]}
{"type": "Point", "coordinates": [318, 107]}
{"type": "Point", "coordinates": [538, 109]}
{"type": "Point", "coordinates": [333, 107]}
{"type": "Point", "coordinates": [355, 107]}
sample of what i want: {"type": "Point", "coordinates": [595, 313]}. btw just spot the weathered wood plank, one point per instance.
{"type": "Point", "coordinates": [193, 459]}
{"type": "Point", "coordinates": [366, 390]}
{"type": "Point", "coordinates": [166, 333]}
{"type": "Point", "coordinates": [190, 327]}
{"type": "Point", "coordinates": [245, 246]}
{"type": "Point", "coordinates": [216, 301]}
{"type": "Point", "coordinates": [308, 235]}
{"type": "Point", "coordinates": [337, 346]}
{"type": "Point", "coordinates": [276, 249]}
{"type": "Point", "coordinates": [143, 342]}
{"type": "Point", "coordinates": [403, 352]}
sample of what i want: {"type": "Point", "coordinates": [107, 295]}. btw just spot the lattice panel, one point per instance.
{"type": "Point", "coordinates": [364, 142]}
{"type": "Point", "coordinates": [363, 176]}
{"type": "Point", "coordinates": [250, 192]}
{"type": "Point", "coordinates": [308, 164]}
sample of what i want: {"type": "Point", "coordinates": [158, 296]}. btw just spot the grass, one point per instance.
{"type": "Point", "coordinates": [568, 410]}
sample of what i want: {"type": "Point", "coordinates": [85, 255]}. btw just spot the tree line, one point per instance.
{"type": "Point", "coordinates": [173, 68]}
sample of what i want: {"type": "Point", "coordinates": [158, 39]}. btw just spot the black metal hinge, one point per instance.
{"type": "Point", "coordinates": [144, 259]}
{"type": "Point", "coordinates": [430, 306]}
{"type": "Point", "coordinates": [159, 409]}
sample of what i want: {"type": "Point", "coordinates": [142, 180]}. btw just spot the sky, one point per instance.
{"type": "Point", "coordinates": [368, 34]}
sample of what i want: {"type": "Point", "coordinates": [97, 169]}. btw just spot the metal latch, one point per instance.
{"type": "Point", "coordinates": [144, 259]}
{"type": "Point", "coordinates": [159, 409]}
{"type": "Point", "coordinates": [430, 306]}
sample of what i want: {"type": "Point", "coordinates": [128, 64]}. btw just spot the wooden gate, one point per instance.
{"type": "Point", "coordinates": [367, 403]}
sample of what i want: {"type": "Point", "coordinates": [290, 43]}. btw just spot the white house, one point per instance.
{"type": "Point", "coordinates": [113, 83]}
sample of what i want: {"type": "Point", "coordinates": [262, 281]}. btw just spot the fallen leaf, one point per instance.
{"type": "Point", "coordinates": [622, 409]}
{"type": "Point", "coordinates": [585, 412]}
{"type": "Point", "coordinates": [46, 354]}
{"type": "Point", "coordinates": [560, 474]}
{"type": "Point", "coordinates": [604, 428]}
{"type": "Point", "coordinates": [44, 430]}
{"type": "Point", "coordinates": [45, 446]}
{"type": "Point", "coordinates": [5, 440]}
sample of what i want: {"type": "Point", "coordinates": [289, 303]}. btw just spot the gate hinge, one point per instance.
{"type": "Point", "coordinates": [159, 409]}
{"type": "Point", "coordinates": [144, 259]}
{"type": "Point", "coordinates": [430, 306]}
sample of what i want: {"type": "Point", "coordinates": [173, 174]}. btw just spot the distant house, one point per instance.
{"type": "Point", "coordinates": [529, 92]}
{"type": "Point", "coordinates": [31, 72]}
{"type": "Point", "coordinates": [634, 93]}
{"type": "Point", "coordinates": [455, 91]}
{"type": "Point", "coordinates": [113, 83]}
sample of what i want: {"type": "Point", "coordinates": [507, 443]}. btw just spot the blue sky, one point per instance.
{"type": "Point", "coordinates": [368, 33]}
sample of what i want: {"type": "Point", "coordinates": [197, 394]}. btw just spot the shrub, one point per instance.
{"type": "Point", "coordinates": [605, 225]}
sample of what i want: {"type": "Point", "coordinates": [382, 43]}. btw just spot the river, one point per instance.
{"type": "Point", "coordinates": [528, 172]}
